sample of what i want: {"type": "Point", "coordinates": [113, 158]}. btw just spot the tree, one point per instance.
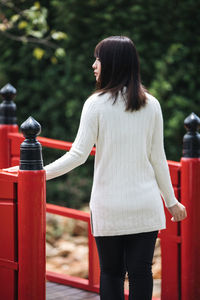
{"type": "Point", "coordinates": [53, 91]}
{"type": "Point", "coordinates": [29, 25]}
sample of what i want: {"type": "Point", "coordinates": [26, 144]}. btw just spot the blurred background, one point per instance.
{"type": "Point", "coordinates": [46, 53]}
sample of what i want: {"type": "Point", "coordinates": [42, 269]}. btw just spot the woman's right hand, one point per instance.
{"type": "Point", "coordinates": [178, 212]}
{"type": "Point", "coordinates": [11, 169]}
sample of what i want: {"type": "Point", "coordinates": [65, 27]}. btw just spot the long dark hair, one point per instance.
{"type": "Point", "coordinates": [120, 68]}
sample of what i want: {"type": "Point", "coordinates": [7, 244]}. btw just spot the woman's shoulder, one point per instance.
{"type": "Point", "coordinates": [152, 102]}
{"type": "Point", "coordinates": [151, 99]}
{"type": "Point", "coordinates": [96, 99]}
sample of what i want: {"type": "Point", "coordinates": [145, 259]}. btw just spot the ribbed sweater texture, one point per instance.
{"type": "Point", "coordinates": [130, 169]}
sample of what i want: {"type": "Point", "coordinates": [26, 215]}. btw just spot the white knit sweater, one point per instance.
{"type": "Point", "coordinates": [130, 168]}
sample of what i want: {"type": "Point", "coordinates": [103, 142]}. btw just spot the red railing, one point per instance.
{"type": "Point", "coordinates": [169, 238]}
{"type": "Point", "coordinates": [92, 283]}
{"type": "Point", "coordinates": [22, 225]}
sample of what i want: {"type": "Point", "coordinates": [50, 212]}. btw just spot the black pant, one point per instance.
{"type": "Point", "coordinates": [132, 253]}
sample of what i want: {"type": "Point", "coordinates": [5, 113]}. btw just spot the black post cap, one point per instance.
{"type": "Point", "coordinates": [191, 140]}
{"type": "Point", "coordinates": [30, 149]}
{"type": "Point", "coordinates": [8, 107]}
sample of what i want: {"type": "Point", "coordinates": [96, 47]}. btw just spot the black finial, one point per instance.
{"type": "Point", "coordinates": [30, 128]}
{"type": "Point", "coordinates": [8, 92]}
{"type": "Point", "coordinates": [30, 149]}
{"type": "Point", "coordinates": [191, 140]}
{"type": "Point", "coordinates": [8, 107]}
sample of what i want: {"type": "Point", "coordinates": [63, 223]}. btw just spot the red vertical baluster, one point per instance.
{"type": "Point", "coordinates": [94, 269]}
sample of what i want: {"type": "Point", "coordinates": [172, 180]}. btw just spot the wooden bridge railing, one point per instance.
{"type": "Point", "coordinates": [22, 217]}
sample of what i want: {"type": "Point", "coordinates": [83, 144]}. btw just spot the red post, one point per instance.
{"type": "Point", "coordinates": [94, 268]}
{"type": "Point", "coordinates": [190, 197]}
{"type": "Point", "coordinates": [31, 217]}
{"type": "Point", "coordinates": [7, 123]}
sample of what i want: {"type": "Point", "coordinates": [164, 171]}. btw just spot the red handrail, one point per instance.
{"type": "Point", "coordinates": [46, 142]}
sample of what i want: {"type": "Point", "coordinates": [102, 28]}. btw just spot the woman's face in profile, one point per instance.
{"type": "Point", "coordinates": [97, 68]}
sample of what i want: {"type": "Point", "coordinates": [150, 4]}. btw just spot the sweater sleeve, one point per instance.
{"type": "Point", "coordinates": [82, 146]}
{"type": "Point", "coordinates": [159, 161]}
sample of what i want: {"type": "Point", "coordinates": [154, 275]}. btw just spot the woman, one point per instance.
{"type": "Point", "coordinates": [125, 123]}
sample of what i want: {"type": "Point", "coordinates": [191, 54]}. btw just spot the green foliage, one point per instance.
{"type": "Point", "coordinates": [35, 23]}
{"type": "Point", "coordinates": [29, 25]}
{"type": "Point", "coordinates": [53, 87]}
